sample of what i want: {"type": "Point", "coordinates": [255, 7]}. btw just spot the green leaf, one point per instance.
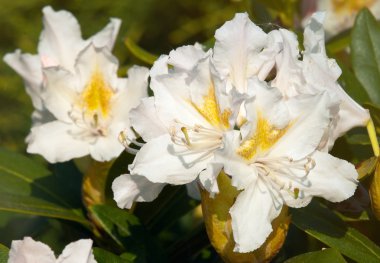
{"type": "Point", "coordinates": [28, 187]}
{"type": "Point", "coordinates": [3, 254]}
{"type": "Point", "coordinates": [138, 52]}
{"type": "Point", "coordinates": [125, 229]}
{"type": "Point", "coordinates": [104, 256]}
{"type": "Point", "coordinates": [327, 255]}
{"type": "Point", "coordinates": [365, 51]}
{"type": "Point", "coordinates": [319, 222]}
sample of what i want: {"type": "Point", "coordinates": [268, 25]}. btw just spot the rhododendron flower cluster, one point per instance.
{"type": "Point", "coordinates": [254, 106]}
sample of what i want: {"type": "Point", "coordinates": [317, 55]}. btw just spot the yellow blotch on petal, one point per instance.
{"type": "Point", "coordinates": [211, 112]}
{"type": "Point", "coordinates": [97, 95]}
{"type": "Point", "coordinates": [350, 6]}
{"type": "Point", "coordinates": [264, 137]}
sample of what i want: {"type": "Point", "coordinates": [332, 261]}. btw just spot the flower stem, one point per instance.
{"type": "Point", "coordinates": [94, 183]}
{"type": "Point", "coordinates": [372, 136]}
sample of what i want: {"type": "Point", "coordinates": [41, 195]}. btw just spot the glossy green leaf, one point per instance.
{"type": "Point", "coordinates": [104, 256]}
{"type": "Point", "coordinates": [3, 254]}
{"type": "Point", "coordinates": [127, 232]}
{"type": "Point", "coordinates": [365, 50]}
{"type": "Point", "coordinates": [327, 255]}
{"type": "Point", "coordinates": [28, 187]}
{"type": "Point", "coordinates": [319, 222]}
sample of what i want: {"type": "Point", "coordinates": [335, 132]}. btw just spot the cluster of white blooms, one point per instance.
{"type": "Point", "coordinates": [80, 103]}
{"type": "Point", "coordinates": [255, 106]}
{"type": "Point", "coordinates": [30, 251]}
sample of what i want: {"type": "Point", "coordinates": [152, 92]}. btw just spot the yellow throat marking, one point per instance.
{"type": "Point", "coordinates": [96, 96]}
{"type": "Point", "coordinates": [211, 112]}
{"type": "Point", "coordinates": [264, 138]}
{"type": "Point", "coordinates": [352, 6]}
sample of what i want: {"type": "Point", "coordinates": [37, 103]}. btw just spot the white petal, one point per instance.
{"type": "Point", "coordinates": [55, 142]}
{"type": "Point", "coordinates": [107, 36]}
{"type": "Point", "coordinates": [332, 178]}
{"type": "Point", "coordinates": [77, 252]}
{"type": "Point", "coordinates": [161, 161]}
{"type": "Point", "coordinates": [131, 91]}
{"type": "Point", "coordinates": [269, 103]}
{"type": "Point", "coordinates": [61, 39]}
{"type": "Point", "coordinates": [208, 178]}
{"type": "Point", "coordinates": [185, 58]}
{"type": "Point", "coordinates": [252, 214]}
{"type": "Point", "coordinates": [59, 94]}
{"type": "Point", "coordinates": [241, 172]}
{"type": "Point", "coordinates": [29, 68]}
{"type": "Point", "coordinates": [172, 97]}
{"type": "Point", "coordinates": [145, 120]}
{"type": "Point", "coordinates": [128, 189]}
{"type": "Point", "coordinates": [160, 66]}
{"type": "Point", "coordinates": [237, 44]}
{"type": "Point", "coordinates": [108, 147]}
{"type": "Point", "coordinates": [289, 79]}
{"type": "Point", "coordinates": [311, 119]}
{"type": "Point", "coordinates": [91, 60]}
{"type": "Point", "coordinates": [29, 251]}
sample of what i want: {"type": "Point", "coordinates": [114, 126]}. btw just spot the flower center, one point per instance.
{"type": "Point", "coordinates": [265, 136]}
{"type": "Point", "coordinates": [350, 6]}
{"type": "Point", "coordinates": [210, 110]}
{"type": "Point", "coordinates": [93, 107]}
{"type": "Point", "coordinates": [97, 96]}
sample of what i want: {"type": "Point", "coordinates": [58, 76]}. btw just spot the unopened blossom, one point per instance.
{"type": "Point", "coordinates": [274, 160]}
{"type": "Point", "coordinates": [182, 125]}
{"type": "Point", "coordinates": [30, 251]}
{"type": "Point", "coordinates": [81, 104]}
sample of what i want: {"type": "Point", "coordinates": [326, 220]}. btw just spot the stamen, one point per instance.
{"type": "Point", "coordinates": [125, 141]}
{"type": "Point", "coordinates": [186, 134]}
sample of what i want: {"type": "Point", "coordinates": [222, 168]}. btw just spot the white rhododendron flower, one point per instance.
{"type": "Point", "coordinates": [340, 14]}
{"type": "Point", "coordinates": [182, 125]}
{"type": "Point", "coordinates": [80, 103]}
{"type": "Point", "coordinates": [278, 162]}
{"type": "Point", "coordinates": [90, 108]}
{"type": "Point", "coordinates": [30, 251]}
{"type": "Point", "coordinates": [60, 43]}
